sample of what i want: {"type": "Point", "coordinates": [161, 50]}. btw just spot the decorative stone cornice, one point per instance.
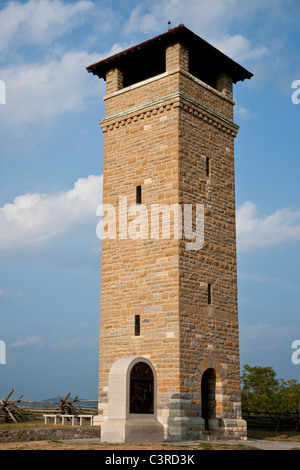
{"type": "Point", "coordinates": [165, 104]}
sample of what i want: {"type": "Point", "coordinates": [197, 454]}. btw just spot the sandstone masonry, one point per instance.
{"type": "Point", "coordinates": [173, 135]}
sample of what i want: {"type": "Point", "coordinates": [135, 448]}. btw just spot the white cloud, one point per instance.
{"type": "Point", "coordinates": [76, 342]}
{"type": "Point", "coordinates": [211, 20]}
{"type": "Point", "coordinates": [254, 231]}
{"type": "Point", "coordinates": [37, 92]}
{"type": "Point", "coordinates": [200, 15]}
{"type": "Point", "coordinates": [39, 21]}
{"type": "Point", "coordinates": [36, 341]}
{"type": "Point", "coordinates": [240, 48]}
{"type": "Point", "coordinates": [242, 113]}
{"type": "Point", "coordinates": [34, 218]}
{"type": "Point", "coordinates": [140, 21]}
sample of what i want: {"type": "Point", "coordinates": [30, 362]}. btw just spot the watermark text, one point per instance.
{"type": "Point", "coordinates": [2, 352]}
{"type": "Point", "coordinates": [296, 353]}
{"type": "Point", "coordinates": [296, 93]}
{"type": "Point", "coordinates": [158, 221]}
{"type": "Point", "coordinates": [2, 92]}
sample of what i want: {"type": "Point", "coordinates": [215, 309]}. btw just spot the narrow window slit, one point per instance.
{"type": "Point", "coordinates": [137, 325]}
{"type": "Point", "coordinates": [207, 167]}
{"type": "Point", "coordinates": [209, 294]}
{"type": "Point", "coordinates": [139, 194]}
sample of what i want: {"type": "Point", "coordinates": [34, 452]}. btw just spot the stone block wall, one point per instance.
{"type": "Point", "coordinates": [173, 136]}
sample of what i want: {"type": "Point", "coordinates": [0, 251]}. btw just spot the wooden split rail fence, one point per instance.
{"type": "Point", "coordinates": [272, 421]}
{"type": "Point", "coordinates": [21, 410]}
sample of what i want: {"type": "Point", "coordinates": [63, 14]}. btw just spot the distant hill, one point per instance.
{"type": "Point", "coordinates": [82, 401]}
{"type": "Point", "coordinates": [55, 400]}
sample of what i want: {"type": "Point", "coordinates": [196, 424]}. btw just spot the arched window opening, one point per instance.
{"type": "Point", "coordinates": [141, 397]}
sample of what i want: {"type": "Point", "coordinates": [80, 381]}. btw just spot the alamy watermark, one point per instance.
{"type": "Point", "coordinates": [158, 221]}
{"type": "Point", "coordinates": [2, 353]}
{"type": "Point", "coordinates": [2, 92]}
{"type": "Point", "coordinates": [296, 93]}
{"type": "Point", "coordinates": [296, 353]}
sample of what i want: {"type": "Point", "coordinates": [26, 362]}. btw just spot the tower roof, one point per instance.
{"type": "Point", "coordinates": [205, 60]}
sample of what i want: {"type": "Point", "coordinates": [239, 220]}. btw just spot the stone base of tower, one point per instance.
{"type": "Point", "coordinates": [186, 428]}
{"type": "Point", "coordinates": [132, 431]}
{"type": "Point", "coordinates": [235, 429]}
{"type": "Point", "coordinates": [184, 424]}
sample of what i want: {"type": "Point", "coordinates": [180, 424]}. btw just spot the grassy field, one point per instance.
{"type": "Point", "coordinates": [62, 445]}
{"type": "Point", "coordinates": [36, 424]}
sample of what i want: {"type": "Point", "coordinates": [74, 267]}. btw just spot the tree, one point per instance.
{"type": "Point", "coordinates": [289, 396]}
{"type": "Point", "coordinates": [259, 387]}
{"type": "Point", "coordinates": [262, 391]}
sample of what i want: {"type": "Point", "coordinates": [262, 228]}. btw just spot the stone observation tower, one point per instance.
{"type": "Point", "coordinates": [167, 296]}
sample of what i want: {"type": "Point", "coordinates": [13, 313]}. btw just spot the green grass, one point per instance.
{"type": "Point", "coordinates": [273, 435]}
{"type": "Point", "coordinates": [34, 424]}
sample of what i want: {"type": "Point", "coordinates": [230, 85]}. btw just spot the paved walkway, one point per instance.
{"type": "Point", "coordinates": [258, 444]}
{"type": "Point", "coordinates": [273, 445]}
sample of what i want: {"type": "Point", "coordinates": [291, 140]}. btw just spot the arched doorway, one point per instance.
{"type": "Point", "coordinates": [141, 395]}
{"type": "Point", "coordinates": [208, 396]}
{"type": "Point", "coordinates": [132, 397]}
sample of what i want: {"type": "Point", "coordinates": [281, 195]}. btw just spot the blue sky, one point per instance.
{"type": "Point", "coordinates": [51, 163]}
